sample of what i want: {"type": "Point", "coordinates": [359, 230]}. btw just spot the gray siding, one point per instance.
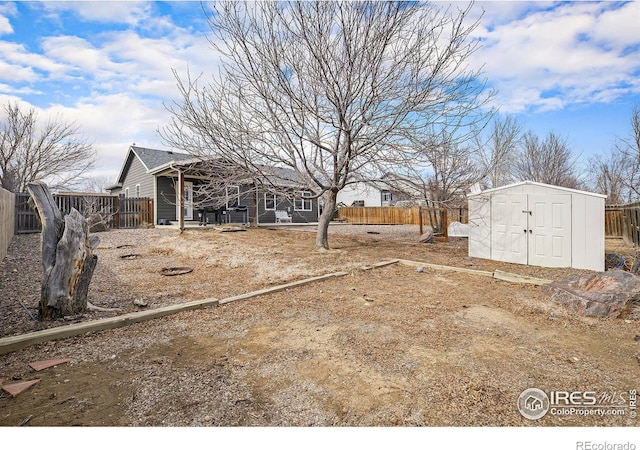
{"type": "Point", "coordinates": [283, 202]}
{"type": "Point", "coordinates": [137, 174]}
{"type": "Point", "coordinates": [166, 201]}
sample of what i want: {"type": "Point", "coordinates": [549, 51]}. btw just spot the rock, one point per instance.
{"type": "Point", "coordinates": [140, 302]}
{"type": "Point", "coordinates": [604, 294]}
{"type": "Point", "coordinates": [427, 235]}
{"type": "Point", "coordinates": [419, 270]}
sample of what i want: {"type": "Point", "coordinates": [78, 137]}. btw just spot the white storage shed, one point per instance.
{"type": "Point", "coordinates": [538, 224]}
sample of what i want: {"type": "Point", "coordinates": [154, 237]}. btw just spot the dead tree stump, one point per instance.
{"type": "Point", "coordinates": [68, 261]}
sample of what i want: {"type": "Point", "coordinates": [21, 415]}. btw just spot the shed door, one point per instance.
{"type": "Point", "coordinates": [550, 230]}
{"type": "Point", "coordinates": [508, 228]}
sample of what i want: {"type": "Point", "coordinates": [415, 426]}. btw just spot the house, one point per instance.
{"type": "Point", "coordinates": [161, 174]}
{"type": "Point", "coordinates": [383, 192]}
{"type": "Point", "coordinates": [538, 224]}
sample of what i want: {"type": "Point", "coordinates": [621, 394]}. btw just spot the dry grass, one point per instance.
{"type": "Point", "coordinates": [382, 347]}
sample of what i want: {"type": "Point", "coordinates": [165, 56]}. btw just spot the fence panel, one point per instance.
{"type": "Point", "coordinates": [113, 211]}
{"type": "Point", "coordinates": [27, 219]}
{"type": "Point", "coordinates": [135, 212]}
{"type": "Point", "coordinates": [434, 217]}
{"type": "Point", "coordinates": [613, 218]}
{"type": "Point", "coordinates": [7, 220]}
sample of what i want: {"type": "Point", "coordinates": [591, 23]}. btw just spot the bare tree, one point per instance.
{"type": "Point", "coordinates": [628, 150]}
{"type": "Point", "coordinates": [96, 183]}
{"type": "Point", "coordinates": [31, 150]}
{"type": "Point", "coordinates": [608, 175]}
{"type": "Point", "coordinates": [550, 161]}
{"type": "Point", "coordinates": [497, 154]}
{"type": "Point", "coordinates": [442, 170]}
{"type": "Point", "coordinates": [327, 89]}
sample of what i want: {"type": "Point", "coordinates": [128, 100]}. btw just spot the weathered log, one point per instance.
{"type": "Point", "coordinates": [67, 258]}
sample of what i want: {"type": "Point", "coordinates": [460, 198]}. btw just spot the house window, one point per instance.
{"type": "Point", "coordinates": [302, 201]}
{"type": "Point", "coordinates": [233, 196]}
{"type": "Point", "coordinates": [126, 192]}
{"type": "Point", "coordinates": [137, 191]}
{"type": "Point", "coordinates": [269, 201]}
{"type": "Point", "coordinates": [387, 197]}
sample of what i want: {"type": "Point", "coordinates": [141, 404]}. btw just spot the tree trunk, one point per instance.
{"type": "Point", "coordinates": [322, 238]}
{"type": "Point", "coordinates": [68, 261]}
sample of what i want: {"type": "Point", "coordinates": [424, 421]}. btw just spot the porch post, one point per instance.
{"type": "Point", "coordinates": [181, 200]}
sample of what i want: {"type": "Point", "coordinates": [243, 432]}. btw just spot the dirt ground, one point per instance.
{"type": "Point", "coordinates": [384, 347]}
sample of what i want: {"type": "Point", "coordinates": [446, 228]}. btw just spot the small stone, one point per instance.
{"type": "Point", "coordinates": [419, 270]}
{"type": "Point", "coordinates": [140, 302]}
{"type": "Point", "coordinates": [113, 356]}
{"type": "Point", "coordinates": [207, 418]}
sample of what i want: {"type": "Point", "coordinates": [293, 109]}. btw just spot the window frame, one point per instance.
{"type": "Point", "coordinates": [301, 200]}
{"type": "Point", "coordinates": [228, 196]}
{"type": "Point", "coordinates": [273, 198]}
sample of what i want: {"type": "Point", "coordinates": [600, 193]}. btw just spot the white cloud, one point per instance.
{"type": "Point", "coordinates": [5, 26]}
{"type": "Point", "coordinates": [113, 122]}
{"type": "Point", "coordinates": [126, 12]}
{"type": "Point", "coordinates": [551, 57]}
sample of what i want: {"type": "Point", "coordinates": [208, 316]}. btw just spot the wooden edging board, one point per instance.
{"type": "Point", "coordinates": [497, 274]}
{"type": "Point", "coordinates": [407, 262]}
{"type": "Point", "coordinates": [13, 343]}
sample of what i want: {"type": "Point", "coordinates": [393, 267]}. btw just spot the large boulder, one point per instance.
{"type": "Point", "coordinates": [604, 294]}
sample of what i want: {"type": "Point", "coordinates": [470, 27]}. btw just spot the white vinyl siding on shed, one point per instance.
{"type": "Point", "coordinates": [537, 224]}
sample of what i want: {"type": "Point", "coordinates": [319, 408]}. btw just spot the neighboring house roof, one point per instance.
{"type": "Point", "coordinates": [535, 183]}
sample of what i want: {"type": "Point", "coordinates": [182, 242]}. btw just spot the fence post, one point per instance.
{"type": "Point", "coordinates": [117, 220]}
{"type": "Point", "coordinates": [445, 224]}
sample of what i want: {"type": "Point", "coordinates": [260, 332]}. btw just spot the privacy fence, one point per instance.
{"type": "Point", "coordinates": [112, 211]}
{"type": "Point", "coordinates": [438, 218]}
{"type": "Point", "coordinates": [623, 221]}
{"type": "Point", "coordinates": [7, 212]}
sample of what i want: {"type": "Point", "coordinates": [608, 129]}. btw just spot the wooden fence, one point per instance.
{"type": "Point", "coordinates": [434, 217]}
{"type": "Point", "coordinates": [623, 221]}
{"type": "Point", "coordinates": [7, 211]}
{"type": "Point", "coordinates": [613, 221]}
{"type": "Point", "coordinates": [113, 211]}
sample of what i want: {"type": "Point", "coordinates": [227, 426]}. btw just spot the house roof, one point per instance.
{"type": "Point", "coordinates": [150, 159]}
{"type": "Point", "coordinates": [535, 183]}
{"type": "Point", "coordinates": [157, 161]}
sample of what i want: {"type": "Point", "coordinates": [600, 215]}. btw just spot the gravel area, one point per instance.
{"type": "Point", "coordinates": [381, 347]}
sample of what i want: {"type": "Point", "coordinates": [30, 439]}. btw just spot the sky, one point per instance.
{"type": "Point", "coordinates": [568, 67]}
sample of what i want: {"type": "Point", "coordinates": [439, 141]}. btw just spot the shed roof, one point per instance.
{"type": "Point", "coordinates": [535, 183]}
